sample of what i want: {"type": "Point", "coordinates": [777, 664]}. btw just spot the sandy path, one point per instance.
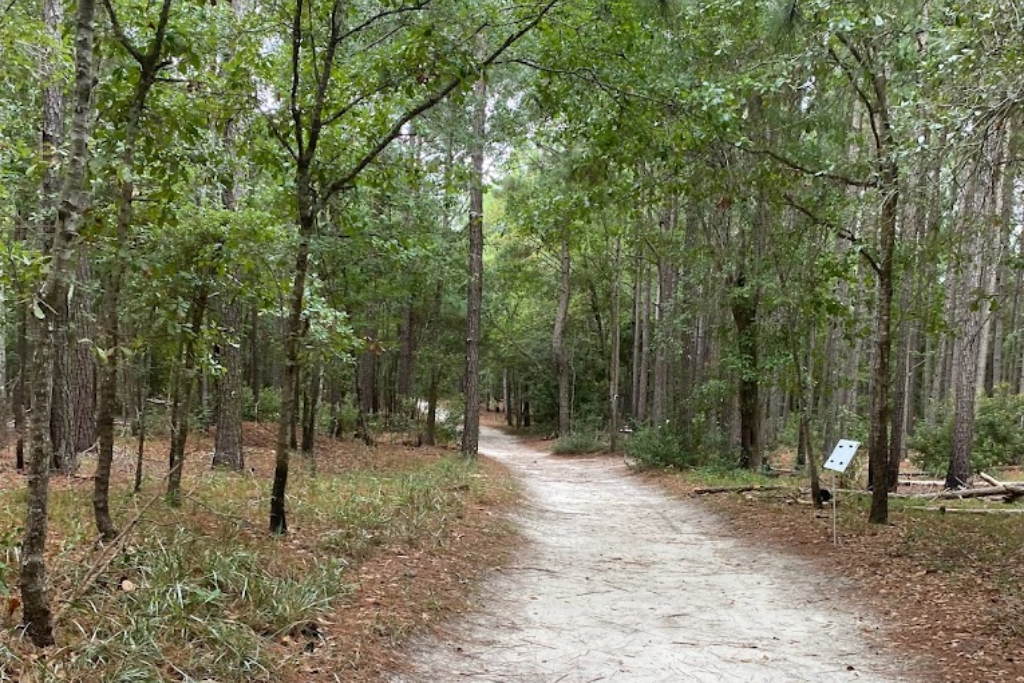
{"type": "Point", "coordinates": [620, 582]}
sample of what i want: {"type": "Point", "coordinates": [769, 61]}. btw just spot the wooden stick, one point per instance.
{"type": "Point", "coordinates": [972, 511]}
{"type": "Point", "coordinates": [738, 489]}
{"type": "Point", "coordinates": [990, 479]}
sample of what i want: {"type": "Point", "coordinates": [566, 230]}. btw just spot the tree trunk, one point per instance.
{"type": "Point", "coordinates": [83, 365]}
{"type": "Point", "coordinates": [149, 67]}
{"type": "Point", "coordinates": [182, 406]}
{"type": "Point", "coordinates": [474, 294]}
{"type": "Point", "coordinates": [227, 450]}
{"type": "Point", "coordinates": [744, 313]}
{"type": "Point", "coordinates": [637, 315]}
{"type": "Point", "coordinates": [255, 363]}
{"type": "Point", "coordinates": [506, 397]}
{"type": "Point", "coordinates": [311, 407]}
{"type": "Point", "coordinates": [972, 312]}
{"type": "Point", "coordinates": [645, 351]}
{"type": "Point", "coordinates": [880, 407]}
{"type": "Point", "coordinates": [3, 368]}
{"type": "Point", "coordinates": [406, 356]}
{"type": "Point", "coordinates": [70, 212]}
{"type": "Point", "coordinates": [293, 334]}
{"type": "Point", "coordinates": [140, 419]}
{"type": "Point", "coordinates": [613, 361]}
{"type": "Point", "coordinates": [558, 342]}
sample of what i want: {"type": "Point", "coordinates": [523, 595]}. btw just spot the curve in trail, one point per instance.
{"type": "Point", "coordinates": [620, 582]}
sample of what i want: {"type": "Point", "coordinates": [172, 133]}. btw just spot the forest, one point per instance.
{"type": "Point", "coordinates": [699, 232]}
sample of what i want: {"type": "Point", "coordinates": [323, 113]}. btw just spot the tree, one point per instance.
{"type": "Point", "coordinates": [46, 330]}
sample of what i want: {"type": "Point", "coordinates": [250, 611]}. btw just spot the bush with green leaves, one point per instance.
{"type": "Point", "coordinates": [998, 435]}
{"type": "Point", "coordinates": [586, 437]}
{"type": "Point", "coordinates": [10, 540]}
{"type": "Point", "coordinates": [667, 446]}
{"type": "Point", "coordinates": [579, 441]}
{"type": "Point", "coordinates": [266, 410]}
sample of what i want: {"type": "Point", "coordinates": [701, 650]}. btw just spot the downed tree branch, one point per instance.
{"type": "Point", "coordinates": [1011, 491]}
{"type": "Point", "coordinates": [990, 479]}
{"type": "Point", "coordinates": [737, 489]}
{"type": "Point", "coordinates": [973, 511]}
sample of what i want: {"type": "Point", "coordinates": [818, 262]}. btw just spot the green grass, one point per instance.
{"type": "Point", "coordinates": [579, 442]}
{"type": "Point", "coordinates": [203, 593]}
{"type": "Point", "coordinates": [725, 476]}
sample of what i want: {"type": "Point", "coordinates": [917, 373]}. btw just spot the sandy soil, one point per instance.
{"type": "Point", "coordinates": [619, 582]}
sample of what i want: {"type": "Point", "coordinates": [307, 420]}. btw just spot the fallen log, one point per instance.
{"type": "Point", "coordinates": [1011, 491]}
{"type": "Point", "coordinates": [972, 511]}
{"type": "Point", "coordinates": [737, 489]}
{"type": "Point", "coordinates": [990, 479]}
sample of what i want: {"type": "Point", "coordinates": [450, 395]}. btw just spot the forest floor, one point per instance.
{"type": "Point", "coordinates": [383, 543]}
{"type": "Point", "coordinates": [948, 588]}
{"type": "Point", "coordinates": [622, 581]}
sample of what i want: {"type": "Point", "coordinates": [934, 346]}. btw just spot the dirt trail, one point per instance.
{"type": "Point", "coordinates": [620, 582]}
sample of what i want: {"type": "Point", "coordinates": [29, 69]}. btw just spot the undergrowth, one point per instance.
{"type": "Point", "coordinates": [579, 442]}
{"type": "Point", "coordinates": [203, 594]}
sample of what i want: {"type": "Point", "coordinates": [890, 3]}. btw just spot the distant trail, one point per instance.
{"type": "Point", "coordinates": [620, 582]}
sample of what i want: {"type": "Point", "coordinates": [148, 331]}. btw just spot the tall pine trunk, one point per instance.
{"type": "Point", "coordinates": [559, 351]}
{"type": "Point", "coordinates": [70, 213]}
{"type": "Point", "coordinates": [475, 291]}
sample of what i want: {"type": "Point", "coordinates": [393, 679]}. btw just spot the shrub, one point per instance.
{"type": "Point", "coordinates": [268, 408]}
{"type": "Point", "coordinates": [579, 442]}
{"type": "Point", "coordinates": [664, 446]}
{"type": "Point", "coordinates": [998, 435]}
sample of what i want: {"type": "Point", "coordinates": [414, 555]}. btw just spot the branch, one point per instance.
{"type": "Point", "coordinates": [796, 166]}
{"type": "Point", "coordinates": [382, 15]}
{"type": "Point", "coordinates": [120, 34]}
{"type": "Point", "coordinates": [396, 129]}
{"type": "Point", "coordinates": [7, 10]}
{"type": "Point", "coordinates": [278, 135]}
{"type": "Point", "coordinates": [355, 102]}
{"type": "Point", "coordinates": [158, 38]}
{"type": "Point", "coordinates": [842, 233]}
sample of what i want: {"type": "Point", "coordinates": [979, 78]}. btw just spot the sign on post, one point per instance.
{"type": "Point", "coordinates": [840, 459]}
{"type": "Point", "coordinates": [842, 455]}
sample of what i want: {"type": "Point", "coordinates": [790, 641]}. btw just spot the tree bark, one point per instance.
{"type": "Point", "coordinates": [293, 334]}
{"type": "Point", "coordinates": [645, 349]}
{"type": "Point", "coordinates": [880, 406]}
{"type": "Point", "coordinates": [227, 451]}
{"type": "Point", "coordinates": [311, 408]}
{"type": "Point", "coordinates": [149, 67]}
{"type": "Point", "coordinates": [182, 404]}
{"type": "Point", "coordinates": [613, 362]}
{"type": "Point", "coordinates": [744, 313]}
{"type": "Point", "coordinates": [406, 357]}
{"type": "Point", "coordinates": [70, 212]}
{"type": "Point", "coordinates": [474, 294]}
{"type": "Point", "coordinates": [558, 342]}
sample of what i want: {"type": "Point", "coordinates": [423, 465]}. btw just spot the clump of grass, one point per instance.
{"type": "Point", "coordinates": [720, 475]}
{"type": "Point", "coordinates": [203, 594]}
{"type": "Point", "coordinates": [372, 510]}
{"type": "Point", "coordinates": [578, 442]}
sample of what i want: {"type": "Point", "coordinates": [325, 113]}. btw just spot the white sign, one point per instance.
{"type": "Point", "coordinates": [842, 455]}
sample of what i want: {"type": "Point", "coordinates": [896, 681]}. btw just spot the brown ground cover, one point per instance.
{"type": "Point", "coordinates": [948, 588]}
{"type": "Point", "coordinates": [432, 528]}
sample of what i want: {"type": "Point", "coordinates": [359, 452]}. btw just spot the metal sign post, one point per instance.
{"type": "Point", "coordinates": [840, 459]}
